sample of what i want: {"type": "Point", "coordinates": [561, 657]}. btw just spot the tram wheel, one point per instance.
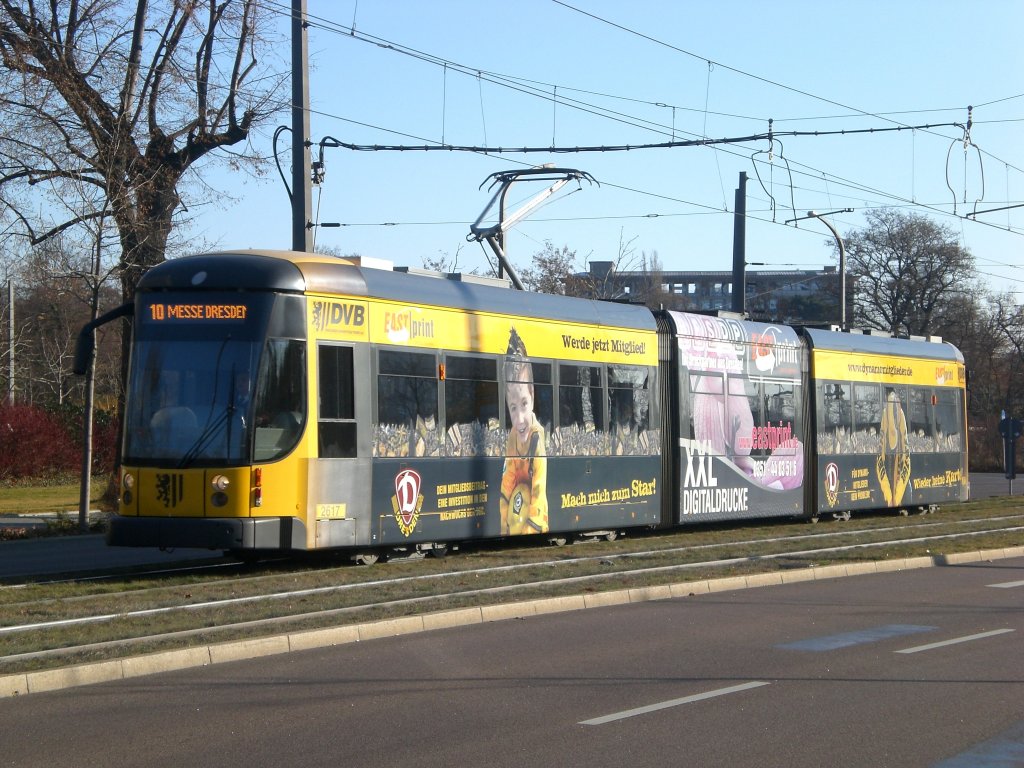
{"type": "Point", "coordinates": [558, 541]}
{"type": "Point", "coordinates": [439, 551]}
{"type": "Point", "coordinates": [611, 536]}
{"type": "Point", "coordinates": [367, 558]}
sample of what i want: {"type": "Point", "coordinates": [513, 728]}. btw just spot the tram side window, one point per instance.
{"type": "Point", "coordinates": [948, 421]}
{"type": "Point", "coordinates": [280, 398]}
{"type": "Point", "coordinates": [834, 417]}
{"type": "Point", "coordinates": [685, 414]}
{"type": "Point", "coordinates": [407, 417]}
{"type": "Point", "coordinates": [866, 432]}
{"type": "Point", "coordinates": [707, 396]}
{"type": "Point", "coordinates": [895, 430]}
{"type": "Point", "coordinates": [782, 406]}
{"type": "Point", "coordinates": [779, 412]}
{"type": "Point", "coordinates": [543, 396]}
{"type": "Point", "coordinates": [538, 376]}
{"type": "Point", "coordinates": [725, 411]}
{"type": "Point", "coordinates": [753, 390]}
{"type": "Point", "coordinates": [919, 421]}
{"type": "Point", "coordinates": [337, 403]}
{"type": "Point", "coordinates": [581, 425]}
{"type": "Point", "coordinates": [471, 406]}
{"type": "Point", "coordinates": [629, 399]}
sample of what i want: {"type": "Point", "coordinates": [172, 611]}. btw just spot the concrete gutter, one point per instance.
{"type": "Point", "coordinates": [239, 650]}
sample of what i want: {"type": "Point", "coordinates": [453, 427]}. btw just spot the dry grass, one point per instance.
{"type": "Point", "coordinates": [321, 591]}
{"type": "Point", "coordinates": [38, 499]}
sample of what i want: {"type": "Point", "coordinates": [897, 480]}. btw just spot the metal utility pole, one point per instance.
{"type": "Point", "coordinates": [739, 247]}
{"type": "Point", "coordinates": [10, 342]}
{"type": "Point", "coordinates": [85, 486]}
{"type": "Point", "coordinates": [302, 176]}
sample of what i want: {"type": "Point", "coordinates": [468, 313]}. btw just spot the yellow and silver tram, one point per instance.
{"type": "Point", "coordinates": [291, 402]}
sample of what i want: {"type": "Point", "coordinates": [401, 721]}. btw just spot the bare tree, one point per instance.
{"type": "Point", "coordinates": [989, 330]}
{"type": "Point", "coordinates": [123, 97]}
{"type": "Point", "coordinates": [650, 288]}
{"type": "Point", "coordinates": [1009, 318]}
{"type": "Point", "coordinates": [632, 277]}
{"type": "Point", "coordinates": [51, 309]}
{"type": "Point", "coordinates": [549, 269]}
{"type": "Point", "coordinates": [601, 282]}
{"type": "Point", "coordinates": [445, 262]}
{"type": "Point", "coordinates": [907, 268]}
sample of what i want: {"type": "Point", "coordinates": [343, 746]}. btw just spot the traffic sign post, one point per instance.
{"type": "Point", "coordinates": [1010, 429]}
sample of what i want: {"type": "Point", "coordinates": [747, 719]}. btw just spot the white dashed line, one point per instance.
{"type": "Point", "coordinates": [673, 703]}
{"type": "Point", "coordinates": [955, 640]}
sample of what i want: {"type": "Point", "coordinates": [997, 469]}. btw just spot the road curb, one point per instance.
{"type": "Point", "coordinates": [219, 653]}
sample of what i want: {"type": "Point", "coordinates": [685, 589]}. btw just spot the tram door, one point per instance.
{"type": "Point", "coordinates": [340, 471]}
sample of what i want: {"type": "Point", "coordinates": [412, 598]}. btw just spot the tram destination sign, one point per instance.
{"type": "Point", "coordinates": [194, 312]}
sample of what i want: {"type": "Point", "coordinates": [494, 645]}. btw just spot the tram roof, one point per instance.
{"type": "Point", "coordinates": [290, 271]}
{"type": "Point", "coordinates": [869, 344]}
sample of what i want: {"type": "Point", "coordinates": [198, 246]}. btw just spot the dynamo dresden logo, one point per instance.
{"type": "Point", "coordinates": [407, 500]}
{"type": "Point", "coordinates": [831, 483]}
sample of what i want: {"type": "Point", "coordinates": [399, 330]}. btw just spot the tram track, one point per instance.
{"type": "Point", "coordinates": [391, 581]}
{"type": "Point", "coordinates": [446, 596]}
{"type": "Point", "coordinates": [76, 622]}
{"type": "Point", "coordinates": [193, 570]}
{"type": "Point", "coordinates": [293, 594]}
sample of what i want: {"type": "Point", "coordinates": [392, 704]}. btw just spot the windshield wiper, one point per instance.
{"type": "Point", "coordinates": [206, 438]}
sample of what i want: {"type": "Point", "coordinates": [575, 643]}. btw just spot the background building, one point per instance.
{"type": "Point", "coordinates": [801, 296]}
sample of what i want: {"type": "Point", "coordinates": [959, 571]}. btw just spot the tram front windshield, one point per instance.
{"type": "Point", "coordinates": [202, 370]}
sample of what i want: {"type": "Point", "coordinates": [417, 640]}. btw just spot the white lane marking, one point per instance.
{"type": "Point", "coordinates": [955, 640]}
{"type": "Point", "coordinates": [1008, 584]}
{"type": "Point", "coordinates": [673, 703]}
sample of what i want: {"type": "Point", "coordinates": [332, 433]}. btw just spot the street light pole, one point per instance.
{"type": "Point", "coordinates": [842, 257]}
{"type": "Point", "coordinates": [842, 264]}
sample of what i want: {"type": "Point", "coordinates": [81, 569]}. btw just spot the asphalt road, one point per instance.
{"type": "Point", "coordinates": [917, 668]}
{"type": "Point", "coordinates": [987, 484]}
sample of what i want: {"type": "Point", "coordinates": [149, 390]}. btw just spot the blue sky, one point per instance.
{"type": "Point", "coordinates": [598, 72]}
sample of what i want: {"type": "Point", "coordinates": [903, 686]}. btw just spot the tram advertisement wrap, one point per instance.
{"type": "Point", "coordinates": [454, 499]}
{"type": "Point", "coordinates": [744, 456]}
{"type": "Point", "coordinates": [871, 482]}
{"type": "Point", "coordinates": [425, 327]}
{"type": "Point", "coordinates": [889, 431]}
{"type": "Point", "coordinates": [885, 369]}
{"type": "Point", "coordinates": [715, 487]}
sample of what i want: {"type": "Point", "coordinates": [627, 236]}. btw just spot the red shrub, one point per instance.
{"type": "Point", "coordinates": [105, 434]}
{"type": "Point", "coordinates": [34, 443]}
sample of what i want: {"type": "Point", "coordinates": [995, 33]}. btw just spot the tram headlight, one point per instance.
{"type": "Point", "coordinates": [127, 483]}
{"type": "Point", "coordinates": [220, 484]}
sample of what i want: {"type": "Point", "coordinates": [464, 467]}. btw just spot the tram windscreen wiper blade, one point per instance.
{"type": "Point", "coordinates": [206, 437]}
